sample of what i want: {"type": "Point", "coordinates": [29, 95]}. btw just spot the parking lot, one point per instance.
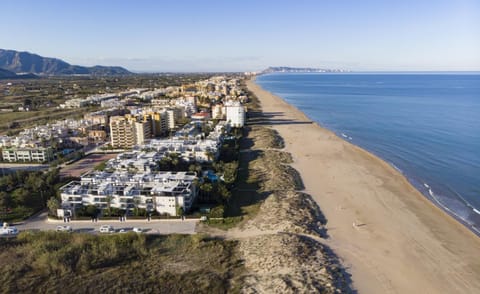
{"type": "Point", "coordinates": [80, 167]}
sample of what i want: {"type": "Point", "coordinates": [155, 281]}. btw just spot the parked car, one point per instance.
{"type": "Point", "coordinates": [10, 231]}
{"type": "Point", "coordinates": [64, 229]}
{"type": "Point", "coordinates": [138, 230]}
{"type": "Point", "coordinates": [107, 229]}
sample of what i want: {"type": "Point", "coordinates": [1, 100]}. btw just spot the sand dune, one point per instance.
{"type": "Point", "coordinates": [391, 238]}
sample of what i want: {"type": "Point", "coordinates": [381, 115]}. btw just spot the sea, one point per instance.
{"type": "Point", "coordinates": [425, 125]}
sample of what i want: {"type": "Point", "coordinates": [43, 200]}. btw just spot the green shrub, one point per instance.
{"type": "Point", "coordinates": [217, 212]}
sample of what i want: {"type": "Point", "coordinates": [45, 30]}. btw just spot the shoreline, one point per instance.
{"type": "Point", "coordinates": [370, 206]}
{"type": "Point", "coordinates": [431, 199]}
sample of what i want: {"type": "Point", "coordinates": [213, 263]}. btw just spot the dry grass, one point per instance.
{"type": "Point", "coordinates": [290, 263]}
{"type": "Point", "coordinates": [126, 263]}
{"type": "Point", "coordinates": [264, 137]}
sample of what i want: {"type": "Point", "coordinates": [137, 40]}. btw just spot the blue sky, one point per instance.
{"type": "Point", "coordinates": [248, 35]}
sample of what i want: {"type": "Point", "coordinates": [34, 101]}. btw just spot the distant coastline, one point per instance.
{"type": "Point", "coordinates": [274, 69]}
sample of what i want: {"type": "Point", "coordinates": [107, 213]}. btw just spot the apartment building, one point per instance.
{"type": "Point", "coordinates": [174, 114]}
{"type": "Point", "coordinates": [121, 132]}
{"type": "Point", "coordinates": [142, 131]}
{"type": "Point", "coordinates": [128, 131]}
{"type": "Point", "coordinates": [164, 192]}
{"type": "Point", "coordinates": [159, 122]}
{"type": "Point", "coordinates": [97, 135]}
{"type": "Point", "coordinates": [218, 111]}
{"type": "Point", "coordinates": [28, 154]}
{"type": "Point", "coordinates": [235, 114]}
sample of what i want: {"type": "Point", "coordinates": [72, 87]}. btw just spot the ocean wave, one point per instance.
{"type": "Point", "coordinates": [461, 213]}
{"type": "Point", "coordinates": [465, 201]}
{"type": "Point", "coordinates": [396, 167]}
{"type": "Point", "coordinates": [475, 229]}
{"type": "Point", "coordinates": [346, 137]}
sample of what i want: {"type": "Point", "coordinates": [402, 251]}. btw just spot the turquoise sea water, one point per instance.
{"type": "Point", "coordinates": [425, 125]}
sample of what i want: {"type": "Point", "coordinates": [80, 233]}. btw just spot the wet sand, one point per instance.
{"type": "Point", "coordinates": [389, 236]}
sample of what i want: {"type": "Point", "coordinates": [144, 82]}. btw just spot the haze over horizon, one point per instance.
{"type": "Point", "coordinates": [149, 36]}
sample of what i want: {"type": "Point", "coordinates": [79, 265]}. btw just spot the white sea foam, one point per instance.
{"type": "Point", "coordinates": [466, 202]}
{"type": "Point", "coordinates": [345, 136]}
{"type": "Point", "coordinates": [455, 213]}
{"type": "Point", "coordinates": [475, 229]}
{"type": "Point", "coordinates": [397, 168]}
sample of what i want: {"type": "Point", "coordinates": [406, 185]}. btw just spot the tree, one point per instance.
{"type": "Point", "coordinates": [223, 193]}
{"type": "Point", "coordinates": [23, 197]}
{"type": "Point", "coordinates": [91, 210]}
{"type": "Point", "coordinates": [5, 201]}
{"type": "Point", "coordinates": [230, 172]}
{"type": "Point", "coordinates": [206, 187]}
{"type": "Point", "coordinates": [218, 166]}
{"type": "Point", "coordinates": [174, 160]}
{"type": "Point", "coordinates": [7, 183]}
{"type": "Point", "coordinates": [136, 202]}
{"type": "Point", "coordinates": [179, 210]}
{"type": "Point", "coordinates": [53, 204]}
{"type": "Point", "coordinates": [217, 212]}
{"type": "Point", "coordinates": [164, 164]}
{"type": "Point", "coordinates": [197, 168]}
{"type": "Point", "coordinates": [210, 155]}
{"type": "Point", "coordinates": [52, 178]}
{"type": "Point", "coordinates": [109, 200]}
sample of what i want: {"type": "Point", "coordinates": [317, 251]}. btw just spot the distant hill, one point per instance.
{"type": "Point", "coordinates": [6, 74]}
{"type": "Point", "coordinates": [25, 62]}
{"type": "Point", "coordinates": [299, 69]}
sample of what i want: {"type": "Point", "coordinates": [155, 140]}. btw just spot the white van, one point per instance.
{"type": "Point", "coordinates": [106, 229]}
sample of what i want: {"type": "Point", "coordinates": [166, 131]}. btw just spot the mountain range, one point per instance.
{"type": "Point", "coordinates": [25, 62]}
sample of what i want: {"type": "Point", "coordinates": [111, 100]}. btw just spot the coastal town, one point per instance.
{"type": "Point", "coordinates": [248, 147]}
{"type": "Point", "coordinates": [144, 129]}
{"type": "Point", "coordinates": [202, 160]}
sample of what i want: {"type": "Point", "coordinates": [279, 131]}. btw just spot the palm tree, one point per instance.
{"type": "Point", "coordinates": [109, 200]}
{"type": "Point", "coordinates": [136, 202]}
{"type": "Point", "coordinates": [210, 155]}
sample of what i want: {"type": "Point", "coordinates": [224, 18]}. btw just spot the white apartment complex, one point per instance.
{"type": "Point", "coordinates": [163, 192]}
{"type": "Point", "coordinates": [28, 154]}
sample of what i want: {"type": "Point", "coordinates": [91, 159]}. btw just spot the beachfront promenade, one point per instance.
{"type": "Point", "coordinates": [389, 236]}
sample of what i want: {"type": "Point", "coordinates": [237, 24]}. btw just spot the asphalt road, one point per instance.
{"type": "Point", "coordinates": [40, 222]}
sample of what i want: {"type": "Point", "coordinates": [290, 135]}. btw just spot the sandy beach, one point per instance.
{"type": "Point", "coordinates": [388, 235]}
